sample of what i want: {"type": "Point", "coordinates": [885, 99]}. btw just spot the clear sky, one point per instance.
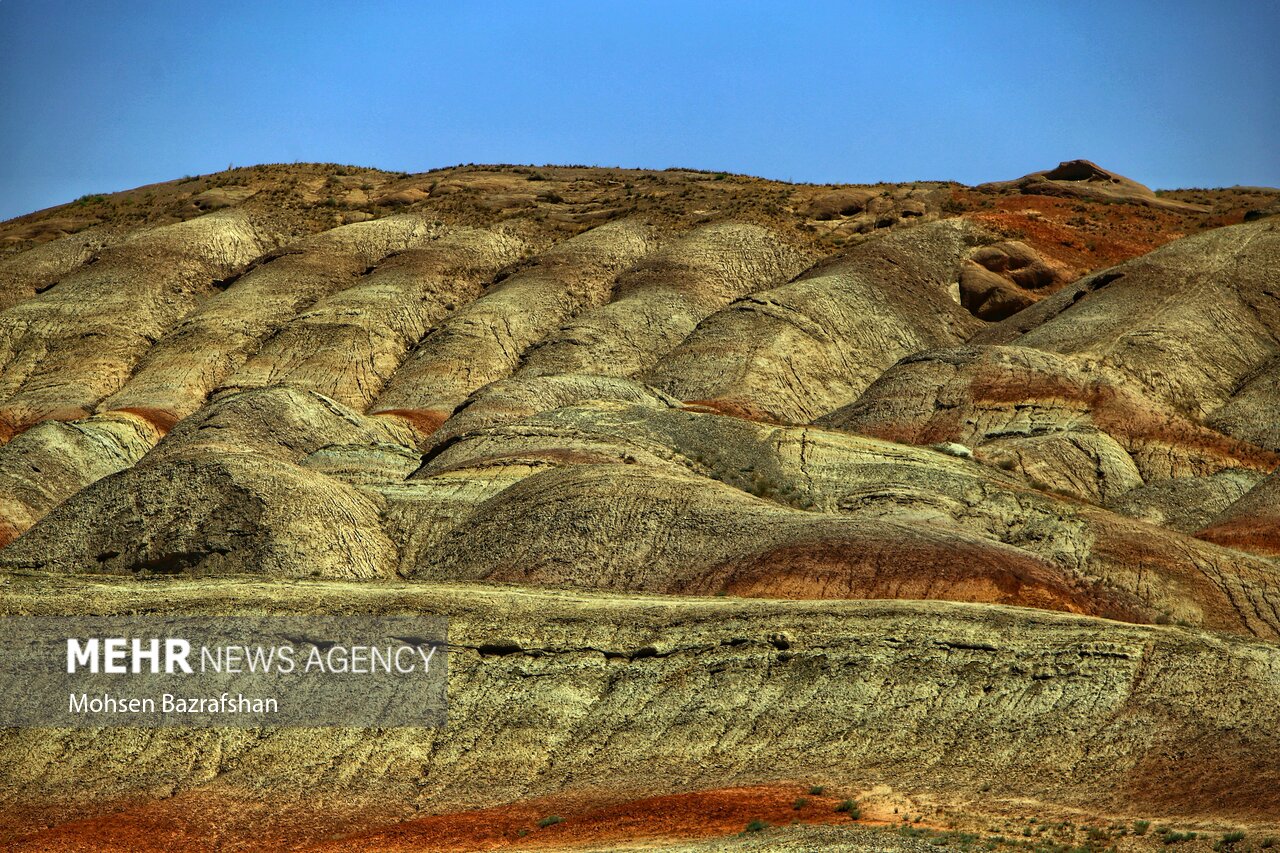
{"type": "Point", "coordinates": [101, 96]}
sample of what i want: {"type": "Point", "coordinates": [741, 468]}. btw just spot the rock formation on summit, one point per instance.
{"type": "Point", "coordinates": [1084, 179]}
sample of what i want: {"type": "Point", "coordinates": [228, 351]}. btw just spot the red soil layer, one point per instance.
{"type": "Point", "coordinates": [1082, 234]}
{"type": "Point", "coordinates": [873, 567]}
{"type": "Point", "coordinates": [423, 422]}
{"type": "Point", "coordinates": [1131, 420]}
{"type": "Point", "coordinates": [162, 419]}
{"type": "Point", "coordinates": [204, 821]}
{"type": "Point", "coordinates": [1166, 558]}
{"type": "Point", "coordinates": [701, 814]}
{"type": "Point", "coordinates": [1259, 536]}
{"type": "Point", "coordinates": [734, 409]}
{"type": "Point", "coordinates": [1218, 773]}
{"type": "Point", "coordinates": [12, 425]}
{"type": "Point", "coordinates": [8, 532]}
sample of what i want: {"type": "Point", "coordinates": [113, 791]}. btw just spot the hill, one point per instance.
{"type": "Point", "coordinates": [959, 502]}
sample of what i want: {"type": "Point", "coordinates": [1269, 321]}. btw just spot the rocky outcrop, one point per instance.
{"type": "Point", "coordinates": [237, 489]}
{"type": "Point", "coordinates": [1084, 179]}
{"type": "Point", "coordinates": [1003, 278]}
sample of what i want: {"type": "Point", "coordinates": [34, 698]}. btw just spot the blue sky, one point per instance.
{"type": "Point", "coordinates": [102, 96]}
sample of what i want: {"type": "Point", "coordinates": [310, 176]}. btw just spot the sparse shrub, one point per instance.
{"type": "Point", "coordinates": [800, 803]}
{"type": "Point", "coordinates": [1268, 843]}
{"type": "Point", "coordinates": [550, 820]}
{"type": "Point", "coordinates": [1229, 840]}
{"type": "Point", "coordinates": [757, 826]}
{"type": "Point", "coordinates": [817, 791]}
{"type": "Point", "coordinates": [1172, 836]}
{"type": "Point", "coordinates": [1140, 827]}
{"type": "Point", "coordinates": [851, 808]}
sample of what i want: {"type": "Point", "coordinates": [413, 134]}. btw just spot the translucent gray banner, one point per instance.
{"type": "Point", "coordinates": [238, 671]}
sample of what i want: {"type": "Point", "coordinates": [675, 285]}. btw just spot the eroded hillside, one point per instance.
{"type": "Point", "coordinates": [948, 499]}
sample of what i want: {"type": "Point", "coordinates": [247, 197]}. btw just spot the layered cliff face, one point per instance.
{"type": "Point", "coordinates": [962, 495]}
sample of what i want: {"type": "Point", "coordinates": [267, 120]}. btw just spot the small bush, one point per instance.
{"type": "Point", "coordinates": [1140, 827]}
{"type": "Point", "coordinates": [1268, 843]}
{"type": "Point", "coordinates": [817, 791]}
{"type": "Point", "coordinates": [850, 808]}
{"type": "Point", "coordinates": [757, 826]}
{"type": "Point", "coordinates": [1229, 839]}
{"type": "Point", "coordinates": [550, 820]}
{"type": "Point", "coordinates": [1174, 837]}
{"type": "Point", "coordinates": [800, 803]}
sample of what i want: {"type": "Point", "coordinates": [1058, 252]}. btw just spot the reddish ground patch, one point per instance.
{"type": "Point", "coordinates": [423, 422]}
{"type": "Point", "coordinates": [1207, 599]}
{"type": "Point", "coordinates": [1130, 419]}
{"type": "Point", "coordinates": [734, 409]}
{"type": "Point", "coordinates": [700, 814]}
{"type": "Point", "coordinates": [8, 532]}
{"type": "Point", "coordinates": [202, 821]}
{"type": "Point", "coordinates": [1083, 235]}
{"type": "Point", "coordinates": [1215, 773]}
{"type": "Point", "coordinates": [14, 422]}
{"type": "Point", "coordinates": [1259, 536]}
{"type": "Point", "coordinates": [1011, 385]}
{"type": "Point", "coordinates": [923, 569]}
{"type": "Point", "coordinates": [161, 419]}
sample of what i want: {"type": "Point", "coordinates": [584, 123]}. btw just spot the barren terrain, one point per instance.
{"type": "Point", "coordinates": [859, 517]}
